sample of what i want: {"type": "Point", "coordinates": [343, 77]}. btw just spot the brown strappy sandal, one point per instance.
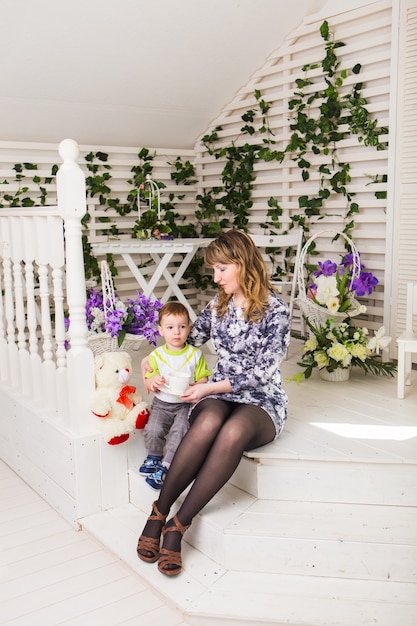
{"type": "Point", "coordinates": [150, 544]}
{"type": "Point", "coordinates": [170, 557]}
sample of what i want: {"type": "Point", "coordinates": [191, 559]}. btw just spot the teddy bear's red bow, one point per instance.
{"type": "Point", "coordinates": [124, 396]}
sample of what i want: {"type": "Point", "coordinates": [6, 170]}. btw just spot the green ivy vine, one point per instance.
{"type": "Point", "coordinates": [320, 118]}
{"type": "Point", "coordinates": [21, 176]}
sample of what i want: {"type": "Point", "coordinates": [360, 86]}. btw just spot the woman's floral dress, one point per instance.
{"type": "Point", "coordinates": [249, 354]}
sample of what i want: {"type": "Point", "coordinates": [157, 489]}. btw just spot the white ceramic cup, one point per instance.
{"type": "Point", "coordinates": [178, 382]}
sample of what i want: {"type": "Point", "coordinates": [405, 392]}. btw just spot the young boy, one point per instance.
{"type": "Point", "coordinates": [168, 419]}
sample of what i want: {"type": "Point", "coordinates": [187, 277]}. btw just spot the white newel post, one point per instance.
{"type": "Point", "coordinates": [101, 470]}
{"type": "Point", "coordinates": [72, 207]}
{"type": "Point", "coordinates": [80, 362]}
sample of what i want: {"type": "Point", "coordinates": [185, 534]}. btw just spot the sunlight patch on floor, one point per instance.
{"type": "Point", "coordinates": [369, 431]}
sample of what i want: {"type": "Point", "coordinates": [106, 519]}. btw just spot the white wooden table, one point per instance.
{"type": "Point", "coordinates": [161, 253]}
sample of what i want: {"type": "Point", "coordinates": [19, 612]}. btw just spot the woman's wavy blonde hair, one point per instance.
{"type": "Point", "coordinates": [235, 246]}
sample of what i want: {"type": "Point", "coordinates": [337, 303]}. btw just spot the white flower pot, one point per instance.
{"type": "Point", "coordinates": [338, 376]}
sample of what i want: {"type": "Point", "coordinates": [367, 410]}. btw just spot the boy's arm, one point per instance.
{"type": "Point", "coordinates": [149, 375]}
{"type": "Point", "coordinates": [204, 379]}
{"type": "Point", "coordinates": [202, 371]}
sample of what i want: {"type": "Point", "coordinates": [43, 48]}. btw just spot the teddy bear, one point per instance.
{"type": "Point", "coordinates": [117, 405]}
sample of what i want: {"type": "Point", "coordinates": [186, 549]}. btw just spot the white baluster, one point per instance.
{"type": "Point", "coordinates": [32, 322]}
{"type": "Point", "coordinates": [13, 364]}
{"type": "Point", "coordinates": [72, 206]}
{"type": "Point", "coordinates": [4, 361]}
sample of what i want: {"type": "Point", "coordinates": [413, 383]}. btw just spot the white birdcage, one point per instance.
{"type": "Point", "coordinates": [150, 191]}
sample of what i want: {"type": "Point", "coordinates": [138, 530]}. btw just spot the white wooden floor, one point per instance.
{"type": "Point", "coordinates": [51, 574]}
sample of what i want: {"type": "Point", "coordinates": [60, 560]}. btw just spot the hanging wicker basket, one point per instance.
{"type": "Point", "coordinates": [318, 315]}
{"type": "Point", "coordinates": [104, 342]}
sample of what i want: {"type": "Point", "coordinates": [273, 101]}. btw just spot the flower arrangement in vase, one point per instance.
{"type": "Point", "coordinates": [334, 346]}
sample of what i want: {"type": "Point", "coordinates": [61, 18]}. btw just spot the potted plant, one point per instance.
{"type": "Point", "coordinates": [334, 348]}
{"type": "Point", "coordinates": [151, 226]}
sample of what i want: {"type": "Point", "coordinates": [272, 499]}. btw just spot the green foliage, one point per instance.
{"type": "Point", "coordinates": [184, 173]}
{"type": "Point", "coordinates": [96, 183]}
{"type": "Point", "coordinates": [24, 196]}
{"type": "Point", "coordinates": [233, 202]}
{"type": "Point", "coordinates": [320, 119]}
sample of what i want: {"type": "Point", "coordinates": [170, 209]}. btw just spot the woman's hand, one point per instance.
{"type": "Point", "coordinates": [194, 393]}
{"type": "Point", "coordinates": [200, 390]}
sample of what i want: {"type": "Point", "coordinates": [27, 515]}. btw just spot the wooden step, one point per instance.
{"type": "Point", "coordinates": [301, 538]}
{"type": "Point", "coordinates": [280, 478]}
{"type": "Point", "coordinates": [207, 594]}
{"type": "Point", "coordinates": [336, 540]}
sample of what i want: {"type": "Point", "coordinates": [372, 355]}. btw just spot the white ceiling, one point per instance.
{"type": "Point", "coordinates": [149, 73]}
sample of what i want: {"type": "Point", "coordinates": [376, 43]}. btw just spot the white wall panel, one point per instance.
{"type": "Point", "coordinates": [404, 197]}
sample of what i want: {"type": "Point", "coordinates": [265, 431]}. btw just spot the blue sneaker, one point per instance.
{"type": "Point", "coordinates": [150, 465]}
{"type": "Point", "coordinates": [156, 480]}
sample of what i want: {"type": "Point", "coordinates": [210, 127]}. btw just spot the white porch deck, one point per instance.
{"type": "Point", "coordinates": [319, 530]}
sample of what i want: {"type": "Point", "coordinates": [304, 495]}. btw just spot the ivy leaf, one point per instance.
{"type": "Point", "coordinates": [324, 30]}
{"type": "Point", "coordinates": [354, 208]}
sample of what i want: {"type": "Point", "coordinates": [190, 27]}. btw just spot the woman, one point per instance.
{"type": "Point", "coordinates": [242, 407]}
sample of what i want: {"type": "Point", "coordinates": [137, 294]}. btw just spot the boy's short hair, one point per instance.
{"type": "Point", "coordinates": [173, 308]}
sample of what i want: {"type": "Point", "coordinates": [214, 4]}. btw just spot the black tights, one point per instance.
{"type": "Point", "coordinates": [209, 453]}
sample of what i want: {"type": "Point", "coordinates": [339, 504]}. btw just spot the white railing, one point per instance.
{"type": "Point", "coordinates": [42, 281]}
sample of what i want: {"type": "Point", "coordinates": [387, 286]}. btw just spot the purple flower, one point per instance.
{"type": "Point", "coordinates": [365, 284]}
{"type": "Point", "coordinates": [94, 301]}
{"type": "Point", "coordinates": [112, 323]}
{"type": "Point", "coordinates": [345, 284]}
{"type": "Point", "coordinates": [327, 268]}
{"type": "Point", "coordinates": [347, 261]}
{"type": "Point", "coordinates": [137, 317]}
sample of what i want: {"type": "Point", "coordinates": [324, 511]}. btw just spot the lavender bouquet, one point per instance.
{"type": "Point", "coordinates": [136, 317]}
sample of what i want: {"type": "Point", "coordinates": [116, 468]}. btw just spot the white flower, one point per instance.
{"type": "Point", "coordinates": [340, 353]}
{"type": "Point", "coordinates": [120, 306]}
{"type": "Point", "coordinates": [98, 319]}
{"type": "Point", "coordinates": [326, 288]}
{"type": "Point", "coordinates": [380, 341]}
{"type": "Point", "coordinates": [310, 344]}
{"type": "Point", "coordinates": [333, 304]}
{"type": "Point", "coordinates": [321, 359]}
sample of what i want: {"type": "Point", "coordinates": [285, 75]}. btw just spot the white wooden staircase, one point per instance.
{"type": "Point", "coordinates": [317, 529]}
